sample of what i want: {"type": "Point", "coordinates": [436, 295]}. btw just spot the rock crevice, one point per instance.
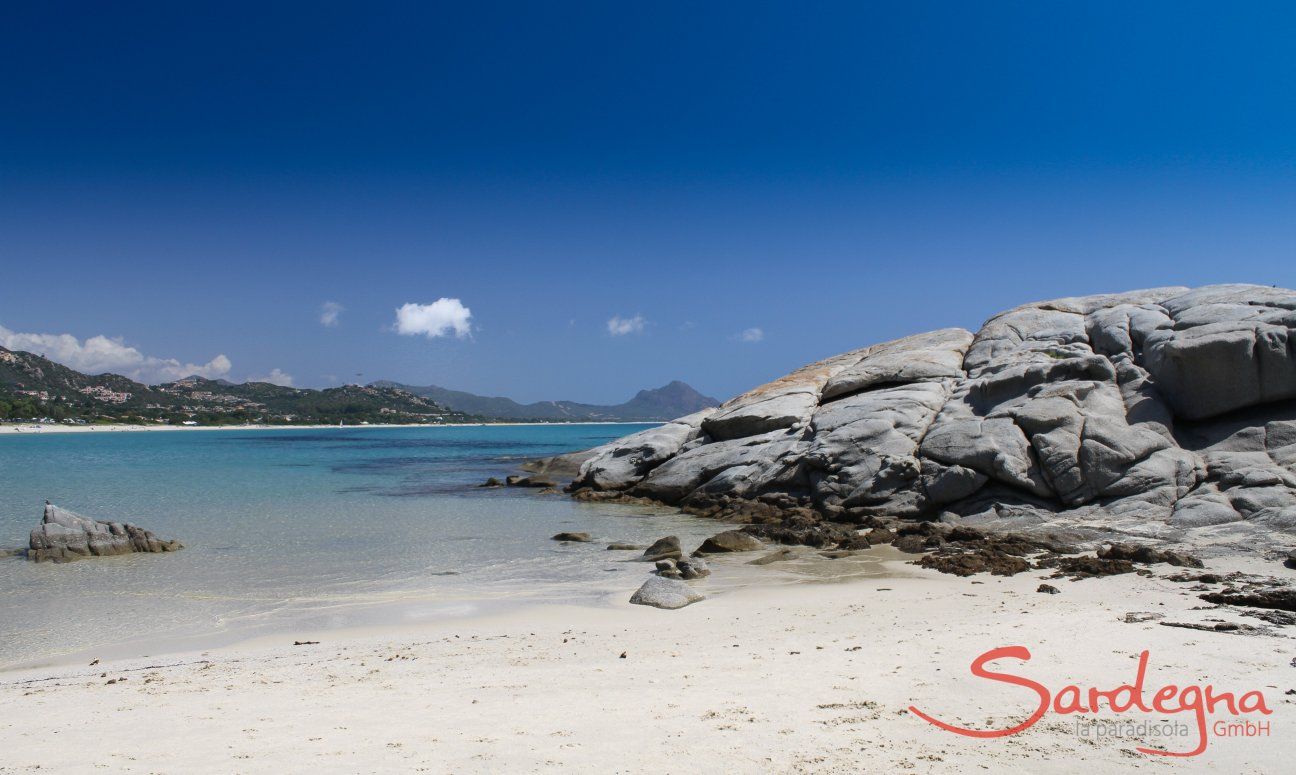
{"type": "Point", "coordinates": [1150, 413]}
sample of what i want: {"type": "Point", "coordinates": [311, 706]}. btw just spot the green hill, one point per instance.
{"type": "Point", "coordinates": [33, 387]}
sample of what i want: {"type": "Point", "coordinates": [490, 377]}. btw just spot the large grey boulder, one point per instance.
{"type": "Point", "coordinates": [1167, 413]}
{"type": "Point", "coordinates": [64, 535]}
{"type": "Point", "coordinates": [661, 592]}
{"type": "Point", "coordinates": [564, 466]}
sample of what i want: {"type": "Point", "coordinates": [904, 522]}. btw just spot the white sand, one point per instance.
{"type": "Point", "coordinates": [807, 678]}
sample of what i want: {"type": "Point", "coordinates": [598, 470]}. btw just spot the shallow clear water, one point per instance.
{"type": "Point", "coordinates": [299, 530]}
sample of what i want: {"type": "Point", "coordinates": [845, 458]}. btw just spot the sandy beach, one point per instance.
{"type": "Point", "coordinates": [812, 677]}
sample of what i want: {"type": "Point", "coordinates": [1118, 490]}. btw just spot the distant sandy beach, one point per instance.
{"type": "Point", "coordinates": [33, 428]}
{"type": "Point", "coordinates": [811, 677]}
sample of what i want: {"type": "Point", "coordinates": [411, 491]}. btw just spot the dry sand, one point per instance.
{"type": "Point", "coordinates": [813, 677]}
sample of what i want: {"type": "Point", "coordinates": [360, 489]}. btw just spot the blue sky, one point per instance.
{"type": "Point", "coordinates": [189, 181]}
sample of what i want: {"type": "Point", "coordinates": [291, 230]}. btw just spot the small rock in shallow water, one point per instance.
{"type": "Point", "coordinates": [665, 593]}
{"type": "Point", "coordinates": [837, 554]}
{"type": "Point", "coordinates": [666, 569]}
{"type": "Point", "coordinates": [582, 538]}
{"type": "Point", "coordinates": [778, 555]}
{"type": "Point", "coordinates": [693, 568]}
{"type": "Point", "coordinates": [624, 547]}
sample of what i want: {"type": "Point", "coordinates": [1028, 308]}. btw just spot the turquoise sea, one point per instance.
{"type": "Point", "coordinates": [300, 530]}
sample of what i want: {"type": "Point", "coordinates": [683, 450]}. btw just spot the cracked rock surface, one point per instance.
{"type": "Point", "coordinates": [1164, 414]}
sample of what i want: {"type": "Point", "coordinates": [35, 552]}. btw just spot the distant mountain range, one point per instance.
{"type": "Point", "coordinates": [664, 403]}
{"type": "Point", "coordinates": [34, 387]}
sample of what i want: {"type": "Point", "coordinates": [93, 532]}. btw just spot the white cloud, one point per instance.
{"type": "Point", "coordinates": [99, 354]}
{"type": "Point", "coordinates": [329, 312]}
{"type": "Point", "coordinates": [442, 317]}
{"type": "Point", "coordinates": [751, 335]}
{"type": "Point", "coordinates": [619, 326]}
{"type": "Point", "coordinates": [275, 377]}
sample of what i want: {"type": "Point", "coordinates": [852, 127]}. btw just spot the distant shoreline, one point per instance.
{"type": "Point", "coordinates": [36, 429]}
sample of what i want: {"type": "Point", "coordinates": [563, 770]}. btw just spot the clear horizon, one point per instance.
{"type": "Point", "coordinates": [578, 203]}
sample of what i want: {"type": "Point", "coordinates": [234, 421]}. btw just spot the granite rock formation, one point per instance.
{"type": "Point", "coordinates": [65, 536]}
{"type": "Point", "coordinates": [1164, 414]}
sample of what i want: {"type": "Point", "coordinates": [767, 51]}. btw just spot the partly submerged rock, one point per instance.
{"type": "Point", "coordinates": [660, 592]}
{"type": "Point", "coordinates": [664, 548]}
{"type": "Point", "coordinates": [620, 546]}
{"type": "Point", "coordinates": [64, 535]}
{"type": "Point", "coordinates": [563, 466]}
{"type": "Point", "coordinates": [667, 569]}
{"type": "Point", "coordinates": [529, 481]}
{"type": "Point", "coordinates": [581, 538]}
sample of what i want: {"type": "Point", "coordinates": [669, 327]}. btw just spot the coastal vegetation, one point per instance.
{"type": "Point", "coordinates": [36, 388]}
